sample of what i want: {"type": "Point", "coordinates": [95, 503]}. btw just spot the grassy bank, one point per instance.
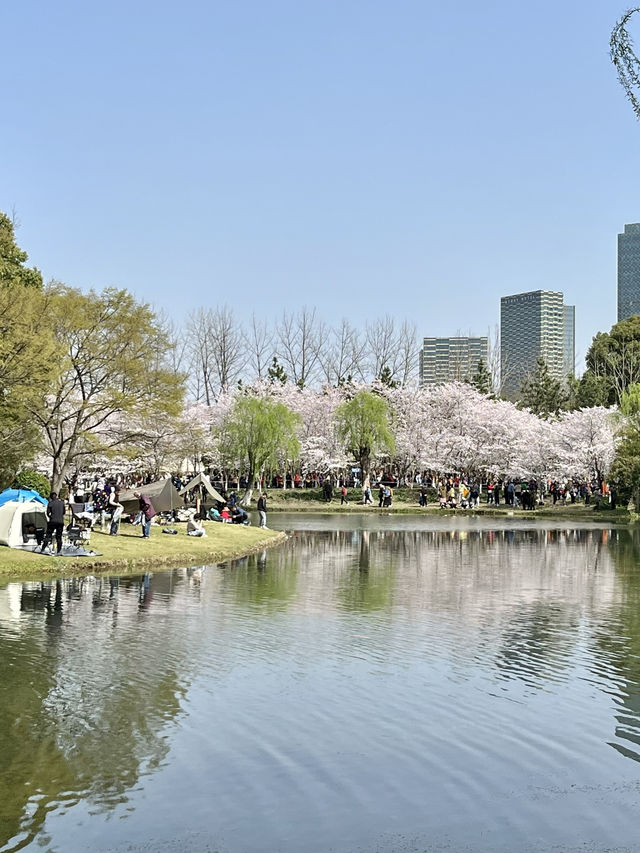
{"type": "Point", "coordinates": [130, 551]}
{"type": "Point", "coordinates": [405, 501]}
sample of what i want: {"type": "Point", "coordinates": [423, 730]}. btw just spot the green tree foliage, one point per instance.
{"type": "Point", "coordinates": [259, 433]}
{"type": "Point", "coordinates": [276, 372]}
{"type": "Point", "coordinates": [481, 379]}
{"type": "Point", "coordinates": [386, 377]}
{"type": "Point", "coordinates": [13, 271]}
{"type": "Point", "coordinates": [590, 390]}
{"type": "Point", "coordinates": [30, 479]}
{"type": "Point", "coordinates": [626, 465]}
{"type": "Point", "coordinates": [626, 61]}
{"type": "Point", "coordinates": [541, 393]}
{"type": "Point", "coordinates": [28, 354]}
{"type": "Point", "coordinates": [613, 360]}
{"type": "Point", "coordinates": [111, 373]}
{"type": "Point", "coordinates": [363, 425]}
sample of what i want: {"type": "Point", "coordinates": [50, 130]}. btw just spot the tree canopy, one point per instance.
{"type": "Point", "coordinates": [12, 259]}
{"type": "Point", "coordinates": [111, 366]}
{"type": "Point", "coordinates": [363, 425]}
{"type": "Point", "coordinates": [258, 432]}
{"type": "Point", "coordinates": [613, 359]}
{"type": "Point", "coordinates": [625, 60]}
{"type": "Point", "coordinates": [542, 393]}
{"type": "Point", "coordinates": [28, 353]}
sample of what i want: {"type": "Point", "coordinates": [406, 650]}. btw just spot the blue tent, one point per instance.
{"type": "Point", "coordinates": [21, 495]}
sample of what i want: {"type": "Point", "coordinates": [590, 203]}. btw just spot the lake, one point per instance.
{"type": "Point", "coordinates": [378, 684]}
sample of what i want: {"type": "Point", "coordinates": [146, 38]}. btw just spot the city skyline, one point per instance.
{"type": "Point", "coordinates": [310, 154]}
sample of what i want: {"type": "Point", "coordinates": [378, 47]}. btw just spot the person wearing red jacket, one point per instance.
{"type": "Point", "coordinates": [148, 512]}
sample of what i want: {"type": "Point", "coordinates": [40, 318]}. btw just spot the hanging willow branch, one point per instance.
{"type": "Point", "coordinates": [625, 60]}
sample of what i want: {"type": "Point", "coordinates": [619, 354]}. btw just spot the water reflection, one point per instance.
{"type": "Point", "coordinates": [84, 698]}
{"type": "Point", "coordinates": [98, 676]}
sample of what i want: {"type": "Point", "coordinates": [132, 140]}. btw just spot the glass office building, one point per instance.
{"type": "Point", "coordinates": [629, 271]}
{"type": "Point", "coordinates": [534, 325]}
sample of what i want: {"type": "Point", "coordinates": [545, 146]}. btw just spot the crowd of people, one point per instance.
{"type": "Point", "coordinates": [465, 492]}
{"type": "Point", "coordinates": [453, 491]}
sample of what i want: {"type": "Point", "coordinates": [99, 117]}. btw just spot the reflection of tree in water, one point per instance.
{"type": "Point", "coordinates": [369, 585]}
{"type": "Point", "coordinates": [268, 583]}
{"type": "Point", "coordinates": [87, 720]}
{"type": "Point", "coordinates": [619, 640]}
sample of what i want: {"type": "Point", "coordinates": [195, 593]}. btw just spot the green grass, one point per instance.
{"type": "Point", "coordinates": [130, 551]}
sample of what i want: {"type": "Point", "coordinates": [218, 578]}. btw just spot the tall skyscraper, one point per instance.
{"type": "Point", "coordinates": [451, 359]}
{"type": "Point", "coordinates": [569, 340]}
{"type": "Point", "coordinates": [629, 271]}
{"type": "Point", "coordinates": [535, 325]}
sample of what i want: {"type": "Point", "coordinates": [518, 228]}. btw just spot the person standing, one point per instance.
{"type": "Point", "coordinates": [148, 512]}
{"type": "Point", "coordinates": [55, 521]}
{"type": "Point", "coordinates": [116, 509]}
{"type": "Point", "coordinates": [262, 510]}
{"type": "Point", "coordinates": [343, 495]}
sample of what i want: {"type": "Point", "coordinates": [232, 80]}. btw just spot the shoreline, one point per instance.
{"type": "Point", "coordinates": [128, 553]}
{"type": "Point", "coordinates": [578, 513]}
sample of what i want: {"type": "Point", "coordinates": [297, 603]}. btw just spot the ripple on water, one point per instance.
{"type": "Point", "coordinates": [347, 692]}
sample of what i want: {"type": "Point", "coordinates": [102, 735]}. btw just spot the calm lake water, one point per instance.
{"type": "Point", "coordinates": [377, 684]}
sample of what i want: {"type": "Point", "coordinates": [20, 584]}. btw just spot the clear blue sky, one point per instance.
{"type": "Point", "coordinates": [410, 157]}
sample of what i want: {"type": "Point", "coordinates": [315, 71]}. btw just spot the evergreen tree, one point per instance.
{"type": "Point", "coordinates": [386, 377]}
{"type": "Point", "coordinates": [541, 393]}
{"type": "Point", "coordinates": [481, 379]}
{"type": "Point", "coordinates": [276, 372]}
{"type": "Point", "coordinates": [12, 259]}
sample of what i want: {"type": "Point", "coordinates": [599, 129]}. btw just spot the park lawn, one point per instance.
{"type": "Point", "coordinates": [130, 551]}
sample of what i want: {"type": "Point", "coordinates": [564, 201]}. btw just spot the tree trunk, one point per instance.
{"type": "Point", "coordinates": [248, 492]}
{"type": "Point", "coordinates": [57, 475]}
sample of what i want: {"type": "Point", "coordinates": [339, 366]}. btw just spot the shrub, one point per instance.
{"type": "Point", "coordinates": [30, 479]}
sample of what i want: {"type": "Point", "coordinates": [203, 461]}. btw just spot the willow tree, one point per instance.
{"type": "Point", "coordinates": [257, 433]}
{"type": "Point", "coordinates": [625, 59]}
{"type": "Point", "coordinates": [363, 425]}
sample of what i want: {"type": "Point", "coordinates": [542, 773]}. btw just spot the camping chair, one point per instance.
{"type": "Point", "coordinates": [77, 533]}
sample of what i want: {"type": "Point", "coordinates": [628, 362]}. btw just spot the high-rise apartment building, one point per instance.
{"type": "Point", "coordinates": [629, 271]}
{"type": "Point", "coordinates": [451, 359]}
{"type": "Point", "coordinates": [569, 340]}
{"type": "Point", "coordinates": [535, 325]}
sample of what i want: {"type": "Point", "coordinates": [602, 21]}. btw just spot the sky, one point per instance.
{"type": "Point", "coordinates": [412, 158]}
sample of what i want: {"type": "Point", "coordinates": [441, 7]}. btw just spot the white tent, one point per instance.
{"type": "Point", "coordinates": [203, 480]}
{"type": "Point", "coordinates": [16, 517]}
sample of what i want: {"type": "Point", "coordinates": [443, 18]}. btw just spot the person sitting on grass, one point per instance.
{"type": "Point", "coordinates": [225, 514]}
{"type": "Point", "coordinates": [195, 526]}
